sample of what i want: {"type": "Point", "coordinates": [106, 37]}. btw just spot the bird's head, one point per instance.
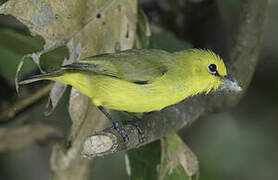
{"type": "Point", "coordinates": [210, 71]}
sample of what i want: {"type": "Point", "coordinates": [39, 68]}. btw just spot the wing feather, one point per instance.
{"type": "Point", "coordinates": [130, 65]}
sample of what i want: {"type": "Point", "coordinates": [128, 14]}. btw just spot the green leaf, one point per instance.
{"type": "Point", "coordinates": [144, 161]}
{"type": "Point", "coordinates": [13, 46]}
{"type": "Point", "coordinates": [53, 59]}
{"type": "Point", "coordinates": [167, 41]}
{"type": "Point", "coordinates": [172, 142]}
{"type": "Point", "coordinates": [167, 159]}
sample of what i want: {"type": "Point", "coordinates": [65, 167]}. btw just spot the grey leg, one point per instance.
{"type": "Point", "coordinates": [137, 122]}
{"type": "Point", "coordinates": [116, 124]}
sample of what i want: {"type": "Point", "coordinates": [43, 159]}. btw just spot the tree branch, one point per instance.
{"type": "Point", "coordinates": [23, 103]}
{"type": "Point", "coordinates": [243, 59]}
{"type": "Point", "coordinates": [17, 137]}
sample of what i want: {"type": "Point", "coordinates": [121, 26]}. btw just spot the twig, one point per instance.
{"type": "Point", "coordinates": [16, 138]}
{"type": "Point", "coordinates": [21, 104]}
{"type": "Point", "coordinates": [244, 55]}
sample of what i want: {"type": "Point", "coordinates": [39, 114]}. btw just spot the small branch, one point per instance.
{"type": "Point", "coordinates": [16, 138]}
{"type": "Point", "coordinates": [109, 141]}
{"type": "Point", "coordinates": [22, 104]}
{"type": "Point", "coordinates": [244, 55]}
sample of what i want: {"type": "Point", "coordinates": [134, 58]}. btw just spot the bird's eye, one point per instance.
{"type": "Point", "coordinates": [212, 68]}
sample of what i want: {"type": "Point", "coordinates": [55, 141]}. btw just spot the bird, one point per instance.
{"type": "Point", "coordinates": [143, 80]}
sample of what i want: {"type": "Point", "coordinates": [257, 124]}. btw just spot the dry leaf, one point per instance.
{"type": "Point", "coordinates": [175, 154]}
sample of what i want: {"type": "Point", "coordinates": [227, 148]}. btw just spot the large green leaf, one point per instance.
{"type": "Point", "coordinates": [144, 162]}
{"type": "Point", "coordinates": [13, 46]}
{"type": "Point", "coordinates": [167, 159]}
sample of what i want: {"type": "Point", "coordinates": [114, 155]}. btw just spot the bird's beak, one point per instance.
{"type": "Point", "coordinates": [230, 84]}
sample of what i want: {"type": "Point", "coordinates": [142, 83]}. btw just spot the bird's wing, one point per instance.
{"type": "Point", "coordinates": [139, 66]}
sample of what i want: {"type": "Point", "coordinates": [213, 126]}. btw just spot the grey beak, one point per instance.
{"type": "Point", "coordinates": [230, 84]}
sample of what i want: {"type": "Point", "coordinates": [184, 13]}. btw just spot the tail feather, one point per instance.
{"type": "Point", "coordinates": [63, 69]}
{"type": "Point", "coordinates": [39, 78]}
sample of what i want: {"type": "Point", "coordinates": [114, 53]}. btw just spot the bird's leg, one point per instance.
{"type": "Point", "coordinates": [116, 125]}
{"type": "Point", "coordinates": [137, 122]}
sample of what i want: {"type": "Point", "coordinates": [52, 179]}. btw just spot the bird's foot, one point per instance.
{"type": "Point", "coordinates": [141, 133]}
{"type": "Point", "coordinates": [121, 131]}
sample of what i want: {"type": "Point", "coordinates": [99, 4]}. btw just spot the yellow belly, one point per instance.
{"type": "Point", "coordinates": [125, 96]}
{"type": "Point", "coordinates": [113, 93]}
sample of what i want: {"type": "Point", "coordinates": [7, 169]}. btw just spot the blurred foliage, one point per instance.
{"type": "Point", "coordinates": [2, 1]}
{"type": "Point", "coordinates": [143, 31]}
{"type": "Point", "coordinates": [173, 44]}
{"type": "Point", "coordinates": [144, 161]}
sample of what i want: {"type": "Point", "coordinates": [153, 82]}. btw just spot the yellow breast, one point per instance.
{"type": "Point", "coordinates": [113, 93]}
{"type": "Point", "coordinates": [121, 95]}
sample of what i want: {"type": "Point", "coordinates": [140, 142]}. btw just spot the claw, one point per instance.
{"type": "Point", "coordinates": [141, 136]}
{"type": "Point", "coordinates": [121, 131]}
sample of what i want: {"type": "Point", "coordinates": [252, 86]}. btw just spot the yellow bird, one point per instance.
{"type": "Point", "coordinates": [143, 80]}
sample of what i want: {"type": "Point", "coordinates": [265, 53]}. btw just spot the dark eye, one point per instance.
{"type": "Point", "coordinates": [212, 68]}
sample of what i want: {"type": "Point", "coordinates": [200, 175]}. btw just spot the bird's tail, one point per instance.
{"type": "Point", "coordinates": [61, 71]}
{"type": "Point", "coordinates": [46, 76]}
